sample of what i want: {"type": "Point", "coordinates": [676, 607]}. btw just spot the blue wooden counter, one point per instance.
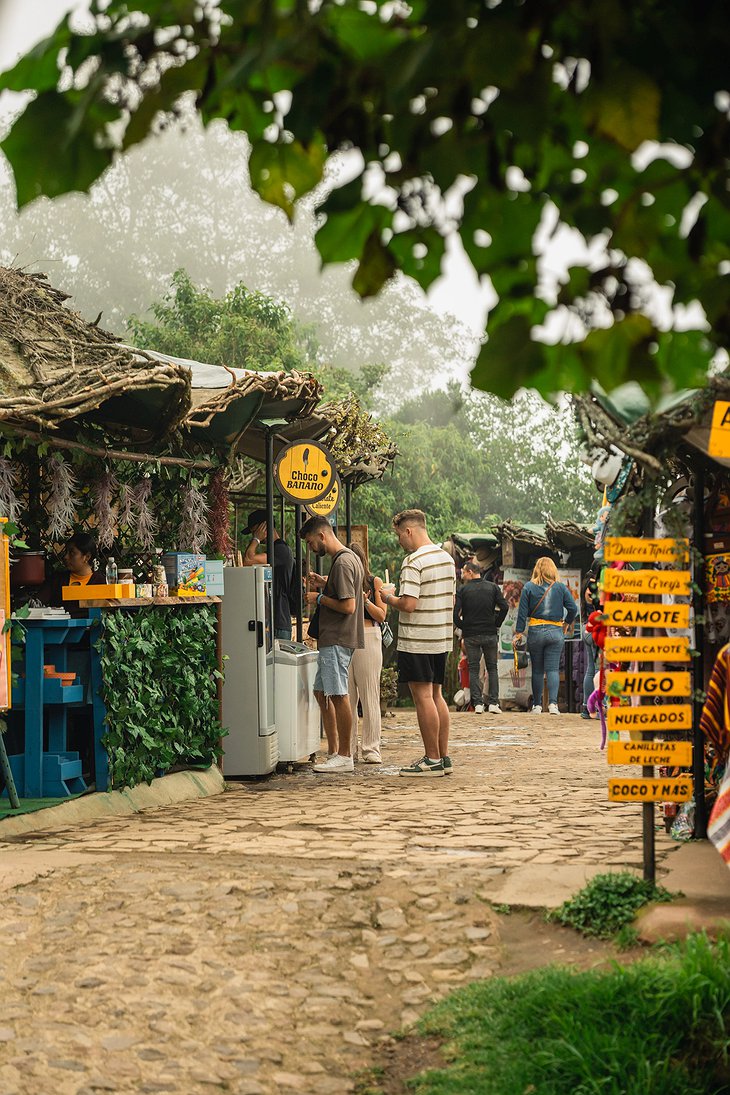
{"type": "Point", "coordinates": [57, 772]}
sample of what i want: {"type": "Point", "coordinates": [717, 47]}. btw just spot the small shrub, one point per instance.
{"type": "Point", "coordinates": [608, 903]}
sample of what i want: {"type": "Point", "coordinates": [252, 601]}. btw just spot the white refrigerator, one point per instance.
{"type": "Point", "coordinates": [251, 747]}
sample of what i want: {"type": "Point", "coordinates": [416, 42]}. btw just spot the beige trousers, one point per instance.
{"type": "Point", "coordinates": [365, 670]}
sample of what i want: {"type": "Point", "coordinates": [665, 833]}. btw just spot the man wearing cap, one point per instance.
{"type": "Point", "coordinates": [283, 569]}
{"type": "Point", "coordinates": [479, 612]}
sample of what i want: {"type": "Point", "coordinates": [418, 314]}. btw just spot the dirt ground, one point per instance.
{"type": "Point", "coordinates": [276, 937]}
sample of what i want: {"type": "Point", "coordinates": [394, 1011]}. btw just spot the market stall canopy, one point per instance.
{"type": "Point", "coordinates": [552, 538]}
{"type": "Point", "coordinates": [54, 366]}
{"type": "Point", "coordinates": [229, 405]}
{"type": "Point", "coordinates": [463, 545]}
{"type": "Point", "coordinates": [624, 419]}
{"type": "Point", "coordinates": [361, 448]}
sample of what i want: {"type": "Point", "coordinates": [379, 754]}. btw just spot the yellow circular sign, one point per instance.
{"type": "Point", "coordinates": [304, 472]}
{"type": "Point", "coordinates": [323, 507]}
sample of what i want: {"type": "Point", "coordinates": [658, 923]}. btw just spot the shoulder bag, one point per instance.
{"type": "Point", "coordinates": [386, 631]}
{"type": "Point", "coordinates": [521, 660]}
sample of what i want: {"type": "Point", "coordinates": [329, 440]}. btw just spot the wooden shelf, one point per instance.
{"type": "Point", "coordinates": [143, 602]}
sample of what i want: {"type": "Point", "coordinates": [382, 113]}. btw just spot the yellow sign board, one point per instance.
{"type": "Point", "coordinates": [650, 790]}
{"type": "Point", "coordinates": [675, 582]}
{"type": "Point", "coordinates": [670, 716]}
{"type": "Point", "coordinates": [631, 649]}
{"type": "Point", "coordinates": [719, 443]}
{"type": "Point", "coordinates": [637, 614]}
{"type": "Point", "coordinates": [323, 507]}
{"type": "Point", "coordinates": [304, 472]}
{"type": "Point", "coordinates": [636, 549]}
{"type": "Point", "coordinates": [675, 754]}
{"type": "Point", "coordinates": [650, 684]}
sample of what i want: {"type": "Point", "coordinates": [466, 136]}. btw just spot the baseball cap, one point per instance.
{"type": "Point", "coordinates": [256, 517]}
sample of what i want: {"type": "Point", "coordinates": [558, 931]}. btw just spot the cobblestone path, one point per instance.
{"type": "Point", "coordinates": [266, 940]}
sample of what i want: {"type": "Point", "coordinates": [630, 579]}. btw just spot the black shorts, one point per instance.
{"type": "Point", "coordinates": [421, 668]}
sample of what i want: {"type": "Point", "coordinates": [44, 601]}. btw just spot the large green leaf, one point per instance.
{"type": "Point", "coordinates": [344, 234]}
{"type": "Point", "coordinates": [38, 70]}
{"type": "Point", "coordinates": [376, 267]}
{"type": "Point", "coordinates": [46, 161]}
{"type": "Point", "coordinates": [281, 173]}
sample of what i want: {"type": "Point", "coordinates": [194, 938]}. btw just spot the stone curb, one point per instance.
{"type": "Point", "coordinates": [178, 787]}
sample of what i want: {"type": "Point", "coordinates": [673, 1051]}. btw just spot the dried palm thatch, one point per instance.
{"type": "Point", "coordinates": [54, 366]}
{"type": "Point", "coordinates": [567, 535]}
{"type": "Point", "coordinates": [529, 537]}
{"type": "Point", "coordinates": [361, 448]}
{"type": "Point", "coordinates": [301, 390]}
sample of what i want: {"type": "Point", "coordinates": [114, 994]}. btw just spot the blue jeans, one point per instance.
{"type": "Point", "coordinates": [475, 647]}
{"type": "Point", "coordinates": [282, 633]}
{"type": "Point", "coordinates": [545, 645]}
{"type": "Point", "coordinates": [590, 648]}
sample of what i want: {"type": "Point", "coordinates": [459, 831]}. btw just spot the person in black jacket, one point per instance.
{"type": "Point", "coordinates": [479, 612]}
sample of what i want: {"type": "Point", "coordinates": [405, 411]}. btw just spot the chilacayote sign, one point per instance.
{"type": "Point", "coordinates": [304, 472]}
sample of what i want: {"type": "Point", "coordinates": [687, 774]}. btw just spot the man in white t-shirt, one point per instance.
{"type": "Point", "coordinates": [425, 607]}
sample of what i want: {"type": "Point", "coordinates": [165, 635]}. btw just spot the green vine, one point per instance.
{"type": "Point", "coordinates": [160, 675]}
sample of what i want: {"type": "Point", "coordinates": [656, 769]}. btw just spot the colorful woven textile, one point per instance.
{"type": "Point", "coordinates": [715, 720]}
{"type": "Point", "coordinates": [718, 828]}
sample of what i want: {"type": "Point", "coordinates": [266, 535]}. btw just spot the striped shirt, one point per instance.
{"type": "Point", "coordinates": [428, 574]}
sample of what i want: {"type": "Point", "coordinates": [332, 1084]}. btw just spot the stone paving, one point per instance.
{"type": "Point", "coordinates": [272, 938]}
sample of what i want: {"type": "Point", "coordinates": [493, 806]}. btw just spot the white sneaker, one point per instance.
{"type": "Point", "coordinates": [335, 763]}
{"type": "Point", "coordinates": [536, 710]}
{"type": "Point", "coordinates": [479, 709]}
{"type": "Point", "coordinates": [494, 709]}
{"type": "Point", "coordinates": [553, 709]}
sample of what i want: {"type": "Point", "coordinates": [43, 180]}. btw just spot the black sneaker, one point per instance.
{"type": "Point", "coordinates": [424, 767]}
{"type": "Point", "coordinates": [448, 766]}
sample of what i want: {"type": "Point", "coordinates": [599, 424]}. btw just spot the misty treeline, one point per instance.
{"type": "Point", "coordinates": [468, 459]}
{"type": "Point", "coordinates": [249, 292]}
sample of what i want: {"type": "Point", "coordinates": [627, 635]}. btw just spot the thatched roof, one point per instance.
{"type": "Point", "coordinates": [553, 537]}
{"type": "Point", "coordinates": [54, 366]}
{"type": "Point", "coordinates": [653, 436]}
{"type": "Point", "coordinates": [361, 448]}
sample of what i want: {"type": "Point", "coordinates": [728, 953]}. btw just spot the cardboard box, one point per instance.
{"type": "Point", "coordinates": [185, 572]}
{"type": "Point", "coordinates": [214, 577]}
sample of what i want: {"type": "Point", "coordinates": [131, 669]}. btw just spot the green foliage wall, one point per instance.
{"type": "Point", "coordinates": [160, 677]}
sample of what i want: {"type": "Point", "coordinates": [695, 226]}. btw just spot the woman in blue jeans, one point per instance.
{"type": "Point", "coordinates": [548, 607]}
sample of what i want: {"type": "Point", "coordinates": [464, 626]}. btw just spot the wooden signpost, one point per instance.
{"type": "Point", "coordinates": [648, 719]}
{"type": "Point", "coordinates": [621, 649]}
{"type": "Point", "coordinates": [677, 716]}
{"type": "Point", "coordinates": [672, 754]}
{"type": "Point", "coordinates": [678, 789]}
{"type": "Point", "coordinates": [639, 614]}
{"type": "Point", "coordinates": [650, 684]}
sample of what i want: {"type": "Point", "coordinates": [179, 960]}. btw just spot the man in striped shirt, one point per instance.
{"type": "Point", "coordinates": [425, 607]}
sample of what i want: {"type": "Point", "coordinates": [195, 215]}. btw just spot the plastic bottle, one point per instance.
{"type": "Point", "coordinates": [112, 574]}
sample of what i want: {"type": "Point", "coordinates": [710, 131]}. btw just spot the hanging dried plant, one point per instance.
{"type": "Point", "coordinates": [220, 527]}
{"type": "Point", "coordinates": [194, 529]}
{"type": "Point", "coordinates": [61, 502]}
{"type": "Point", "coordinates": [9, 501]}
{"type": "Point", "coordinates": [125, 513]}
{"type": "Point", "coordinates": [103, 492]}
{"type": "Point", "coordinates": [145, 524]}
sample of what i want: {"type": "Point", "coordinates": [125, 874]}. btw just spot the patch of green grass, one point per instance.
{"type": "Point", "coordinates": [608, 904]}
{"type": "Point", "coordinates": [658, 1027]}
